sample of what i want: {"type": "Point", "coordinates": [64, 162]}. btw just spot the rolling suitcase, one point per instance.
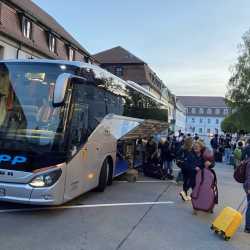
{"type": "Point", "coordinates": [228, 222]}
{"type": "Point", "coordinates": [205, 193]}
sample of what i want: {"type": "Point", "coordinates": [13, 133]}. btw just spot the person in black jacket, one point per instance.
{"type": "Point", "coordinates": [193, 161]}
{"type": "Point", "coordinates": [182, 157]}
{"type": "Point", "coordinates": [215, 143]}
{"type": "Point", "coordinates": [151, 151]}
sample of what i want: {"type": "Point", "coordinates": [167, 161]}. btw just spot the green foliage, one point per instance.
{"type": "Point", "coordinates": [239, 84]}
{"type": "Point", "coordinates": [237, 121]}
{"type": "Point", "coordinates": [143, 107]}
{"type": "Point", "coordinates": [147, 113]}
{"type": "Point", "coordinates": [228, 125]}
{"type": "Point", "coordinates": [238, 95]}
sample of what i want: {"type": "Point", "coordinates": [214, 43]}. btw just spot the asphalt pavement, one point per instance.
{"type": "Point", "coordinates": [144, 215]}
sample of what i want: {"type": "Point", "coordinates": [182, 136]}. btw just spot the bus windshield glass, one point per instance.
{"type": "Point", "coordinates": [28, 120]}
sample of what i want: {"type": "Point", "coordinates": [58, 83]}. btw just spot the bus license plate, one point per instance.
{"type": "Point", "coordinates": [2, 192]}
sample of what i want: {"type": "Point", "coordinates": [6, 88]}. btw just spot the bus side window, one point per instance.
{"type": "Point", "coordinates": [79, 119]}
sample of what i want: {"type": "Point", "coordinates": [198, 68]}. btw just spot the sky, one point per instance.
{"type": "Point", "coordinates": [190, 44]}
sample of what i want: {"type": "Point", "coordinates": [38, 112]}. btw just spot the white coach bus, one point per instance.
{"type": "Point", "coordinates": [62, 126]}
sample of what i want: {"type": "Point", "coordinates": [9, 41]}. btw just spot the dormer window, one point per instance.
{"type": "Point", "coordinates": [119, 71]}
{"type": "Point", "coordinates": [71, 54]}
{"type": "Point", "coordinates": [26, 27]}
{"type": "Point", "coordinates": [52, 43]}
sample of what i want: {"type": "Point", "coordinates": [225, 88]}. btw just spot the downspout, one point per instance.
{"type": "Point", "coordinates": [18, 50]}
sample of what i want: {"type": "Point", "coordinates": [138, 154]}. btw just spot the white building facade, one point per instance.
{"type": "Point", "coordinates": [204, 114]}
{"type": "Point", "coordinates": [180, 116]}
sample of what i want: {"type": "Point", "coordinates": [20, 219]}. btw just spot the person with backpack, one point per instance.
{"type": "Point", "coordinates": [246, 151]}
{"type": "Point", "coordinates": [242, 175]}
{"type": "Point", "coordinates": [247, 189]}
{"type": "Point", "coordinates": [238, 154]}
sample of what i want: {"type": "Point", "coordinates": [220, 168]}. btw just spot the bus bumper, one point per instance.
{"type": "Point", "coordinates": [25, 194]}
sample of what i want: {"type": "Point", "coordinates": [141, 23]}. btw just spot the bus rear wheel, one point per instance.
{"type": "Point", "coordinates": [104, 176]}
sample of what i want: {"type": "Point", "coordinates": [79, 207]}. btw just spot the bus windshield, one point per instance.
{"type": "Point", "coordinates": [28, 120]}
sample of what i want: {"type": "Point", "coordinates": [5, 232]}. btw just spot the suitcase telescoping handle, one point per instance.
{"type": "Point", "coordinates": [242, 208]}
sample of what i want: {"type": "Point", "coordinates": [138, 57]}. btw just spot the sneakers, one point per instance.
{"type": "Point", "coordinates": [189, 198]}
{"type": "Point", "coordinates": [183, 196]}
{"type": "Point", "coordinates": [247, 230]}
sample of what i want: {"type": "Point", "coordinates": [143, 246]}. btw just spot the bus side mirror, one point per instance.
{"type": "Point", "coordinates": [60, 89]}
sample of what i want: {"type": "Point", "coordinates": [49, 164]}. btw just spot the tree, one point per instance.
{"type": "Point", "coordinates": [239, 84]}
{"type": "Point", "coordinates": [228, 125]}
{"type": "Point", "coordinates": [238, 121]}
{"type": "Point", "coordinates": [238, 95]}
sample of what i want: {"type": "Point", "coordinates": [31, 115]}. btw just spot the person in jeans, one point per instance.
{"type": "Point", "coordinates": [247, 189]}
{"type": "Point", "coordinates": [167, 159]}
{"type": "Point", "coordinates": [227, 148]}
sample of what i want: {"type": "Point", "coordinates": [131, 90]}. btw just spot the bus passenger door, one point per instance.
{"type": "Point", "coordinates": [77, 138]}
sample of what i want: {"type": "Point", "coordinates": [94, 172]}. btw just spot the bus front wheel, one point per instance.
{"type": "Point", "coordinates": [103, 179]}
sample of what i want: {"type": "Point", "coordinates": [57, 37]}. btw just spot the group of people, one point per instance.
{"type": "Point", "coordinates": [163, 154]}
{"type": "Point", "coordinates": [227, 148]}
{"type": "Point", "coordinates": [192, 157]}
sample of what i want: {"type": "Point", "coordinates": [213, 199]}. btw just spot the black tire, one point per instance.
{"type": "Point", "coordinates": [103, 179]}
{"type": "Point", "coordinates": [110, 173]}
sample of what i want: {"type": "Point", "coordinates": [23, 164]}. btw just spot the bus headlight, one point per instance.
{"type": "Point", "coordinates": [46, 180]}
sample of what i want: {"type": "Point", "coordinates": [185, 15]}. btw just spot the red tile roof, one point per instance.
{"type": "Point", "coordinates": [117, 55]}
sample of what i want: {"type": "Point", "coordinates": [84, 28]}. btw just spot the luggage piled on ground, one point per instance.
{"type": "Point", "coordinates": [155, 170]}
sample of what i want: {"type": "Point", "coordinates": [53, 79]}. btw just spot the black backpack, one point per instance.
{"type": "Point", "coordinates": [240, 172]}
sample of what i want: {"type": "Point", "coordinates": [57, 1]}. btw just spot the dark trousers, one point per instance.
{"type": "Point", "coordinates": [188, 180]}
{"type": "Point", "coordinates": [248, 213]}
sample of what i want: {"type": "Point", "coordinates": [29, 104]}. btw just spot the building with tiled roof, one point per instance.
{"type": "Point", "coordinates": [204, 113]}
{"type": "Point", "coordinates": [27, 31]}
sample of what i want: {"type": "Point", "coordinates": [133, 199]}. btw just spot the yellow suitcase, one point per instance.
{"type": "Point", "coordinates": [227, 223]}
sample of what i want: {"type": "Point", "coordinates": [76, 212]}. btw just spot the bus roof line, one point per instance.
{"type": "Point", "coordinates": [79, 64]}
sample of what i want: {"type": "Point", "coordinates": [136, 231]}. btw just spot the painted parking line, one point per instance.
{"type": "Point", "coordinates": [149, 181]}
{"type": "Point", "coordinates": [87, 206]}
